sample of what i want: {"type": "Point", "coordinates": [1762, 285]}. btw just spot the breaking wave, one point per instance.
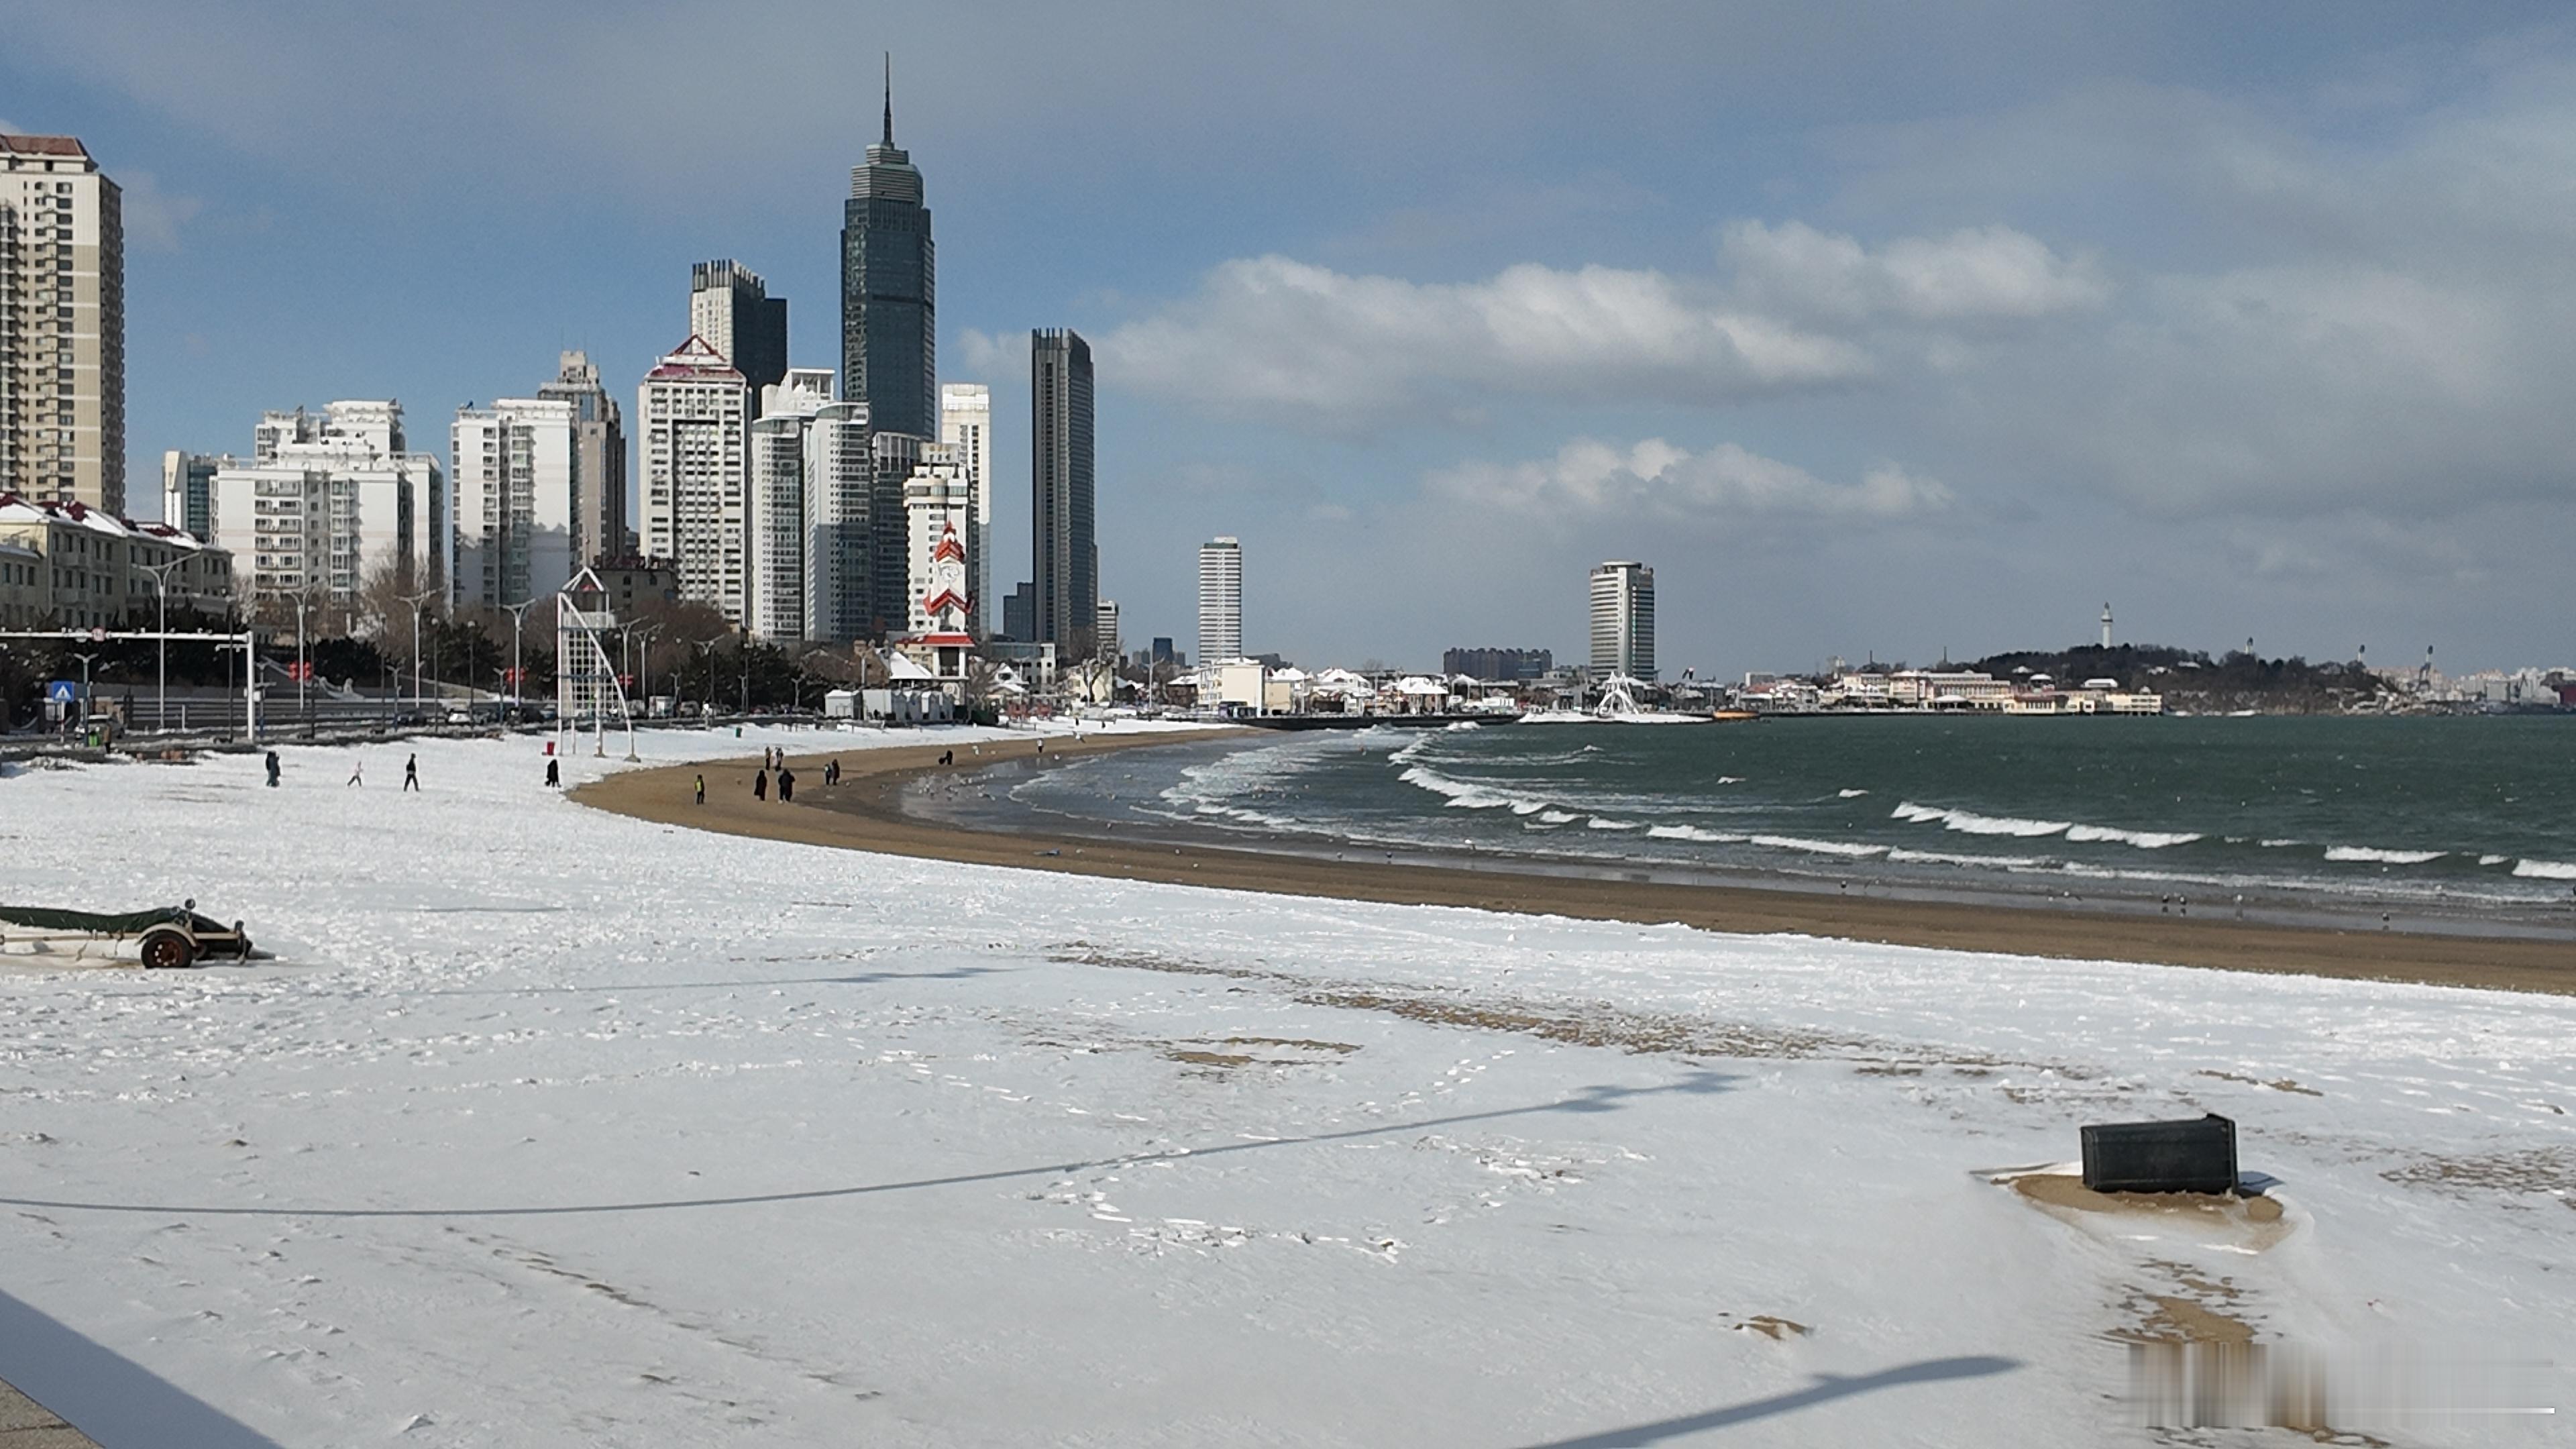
{"type": "Point", "coordinates": [1694, 833]}
{"type": "Point", "coordinates": [2385, 857]}
{"type": "Point", "coordinates": [1819, 847]}
{"type": "Point", "coordinates": [2545, 869]}
{"type": "Point", "coordinates": [1969, 822]}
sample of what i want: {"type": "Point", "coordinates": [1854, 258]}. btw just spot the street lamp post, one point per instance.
{"type": "Point", "coordinates": [160, 573]}
{"type": "Point", "coordinates": [85, 710]}
{"type": "Point", "coordinates": [707, 647]}
{"type": "Point", "coordinates": [518, 617]}
{"type": "Point", "coordinates": [415, 600]}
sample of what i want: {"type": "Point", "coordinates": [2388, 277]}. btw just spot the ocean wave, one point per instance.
{"type": "Point", "coordinates": [2283, 844]}
{"type": "Point", "coordinates": [1601, 822]}
{"type": "Point", "coordinates": [2545, 869]}
{"type": "Point", "coordinates": [1847, 848]}
{"type": "Point", "coordinates": [1723, 779]}
{"type": "Point", "coordinates": [1693, 833]}
{"type": "Point", "coordinates": [1464, 724]}
{"type": "Point", "coordinates": [1969, 822]}
{"type": "Point", "coordinates": [1902, 856]}
{"type": "Point", "coordinates": [1555, 817]}
{"type": "Point", "coordinates": [2497, 859]}
{"type": "Point", "coordinates": [1461, 794]}
{"type": "Point", "coordinates": [1849, 794]}
{"type": "Point", "coordinates": [2142, 839]}
{"type": "Point", "coordinates": [2385, 857]}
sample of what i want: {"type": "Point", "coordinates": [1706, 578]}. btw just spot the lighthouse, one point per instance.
{"type": "Point", "coordinates": [2106, 626]}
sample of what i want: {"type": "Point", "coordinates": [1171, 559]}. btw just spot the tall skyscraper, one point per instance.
{"type": "Point", "coordinates": [730, 306]}
{"type": "Point", "coordinates": [966, 427]}
{"type": "Point", "coordinates": [693, 414]}
{"type": "Point", "coordinates": [599, 520]}
{"type": "Point", "coordinates": [1623, 619]}
{"type": "Point", "coordinates": [889, 300]}
{"type": "Point", "coordinates": [62, 324]}
{"type": "Point", "coordinates": [1065, 562]}
{"type": "Point", "coordinates": [1220, 600]}
{"type": "Point", "coordinates": [330, 503]}
{"type": "Point", "coordinates": [513, 467]}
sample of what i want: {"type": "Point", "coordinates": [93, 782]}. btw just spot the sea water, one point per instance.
{"type": "Point", "coordinates": [2468, 818]}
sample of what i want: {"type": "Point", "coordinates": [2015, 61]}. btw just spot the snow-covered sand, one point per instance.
{"type": "Point", "coordinates": [556, 1127]}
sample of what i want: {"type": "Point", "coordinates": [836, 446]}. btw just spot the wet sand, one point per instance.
{"type": "Point", "coordinates": [865, 813]}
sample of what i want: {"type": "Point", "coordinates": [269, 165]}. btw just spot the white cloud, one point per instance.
{"type": "Point", "coordinates": [153, 217]}
{"type": "Point", "coordinates": [1275, 335]}
{"type": "Point", "coordinates": [1655, 480]}
{"type": "Point", "coordinates": [994, 357]}
{"type": "Point", "coordinates": [1991, 273]}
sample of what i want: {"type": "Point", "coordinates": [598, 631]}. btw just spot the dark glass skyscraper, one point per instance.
{"type": "Point", "coordinates": [889, 302]}
{"type": "Point", "coordinates": [1065, 561]}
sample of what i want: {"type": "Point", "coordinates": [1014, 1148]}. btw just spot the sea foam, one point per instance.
{"type": "Point", "coordinates": [2384, 857]}
{"type": "Point", "coordinates": [2545, 869]}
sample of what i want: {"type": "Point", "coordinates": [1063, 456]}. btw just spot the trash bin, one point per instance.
{"type": "Point", "coordinates": [2191, 1156]}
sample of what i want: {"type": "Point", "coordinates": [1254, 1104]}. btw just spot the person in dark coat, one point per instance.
{"type": "Point", "coordinates": [272, 769]}
{"type": "Point", "coordinates": [786, 784]}
{"type": "Point", "coordinates": [760, 785]}
{"type": "Point", "coordinates": [411, 773]}
{"type": "Point", "coordinates": [554, 773]}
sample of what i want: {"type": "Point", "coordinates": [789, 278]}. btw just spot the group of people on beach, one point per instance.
{"type": "Point", "coordinates": [411, 772]}
{"type": "Point", "coordinates": [774, 758]}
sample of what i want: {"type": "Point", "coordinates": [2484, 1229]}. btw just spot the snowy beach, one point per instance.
{"type": "Point", "coordinates": [554, 1126]}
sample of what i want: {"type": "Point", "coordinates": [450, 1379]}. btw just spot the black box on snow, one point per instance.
{"type": "Point", "coordinates": [2193, 1156]}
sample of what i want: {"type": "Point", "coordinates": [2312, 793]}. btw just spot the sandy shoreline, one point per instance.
{"type": "Point", "coordinates": [865, 813]}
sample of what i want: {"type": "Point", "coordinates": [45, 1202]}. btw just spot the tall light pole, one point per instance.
{"type": "Point", "coordinates": [707, 647]}
{"type": "Point", "coordinates": [415, 600]}
{"type": "Point", "coordinates": [518, 616]}
{"type": "Point", "coordinates": [84, 659]}
{"type": "Point", "coordinates": [160, 573]}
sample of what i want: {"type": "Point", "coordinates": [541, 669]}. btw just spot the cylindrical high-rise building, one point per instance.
{"type": "Point", "coordinates": [1623, 619]}
{"type": "Point", "coordinates": [1220, 600]}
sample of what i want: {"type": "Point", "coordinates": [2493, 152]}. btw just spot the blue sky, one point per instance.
{"type": "Point", "coordinates": [1876, 328]}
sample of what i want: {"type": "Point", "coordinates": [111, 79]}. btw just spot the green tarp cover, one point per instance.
{"type": "Point", "coordinates": [36, 918]}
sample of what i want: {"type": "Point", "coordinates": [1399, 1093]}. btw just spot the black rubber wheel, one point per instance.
{"type": "Point", "coordinates": [167, 951]}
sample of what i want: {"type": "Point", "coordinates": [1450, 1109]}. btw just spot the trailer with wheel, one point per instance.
{"type": "Point", "coordinates": [165, 939]}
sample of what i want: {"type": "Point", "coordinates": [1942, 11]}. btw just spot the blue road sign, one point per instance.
{"type": "Point", "coordinates": [62, 691]}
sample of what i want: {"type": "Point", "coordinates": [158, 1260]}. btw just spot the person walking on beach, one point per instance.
{"type": "Point", "coordinates": [786, 784]}
{"type": "Point", "coordinates": [357, 771]}
{"type": "Point", "coordinates": [411, 773]}
{"type": "Point", "coordinates": [272, 769]}
{"type": "Point", "coordinates": [702, 789]}
{"type": "Point", "coordinates": [554, 773]}
{"type": "Point", "coordinates": [760, 784]}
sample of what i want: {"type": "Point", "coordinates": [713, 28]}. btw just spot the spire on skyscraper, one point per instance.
{"type": "Point", "coordinates": [889, 114]}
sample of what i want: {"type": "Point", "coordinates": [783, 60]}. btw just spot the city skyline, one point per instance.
{"type": "Point", "coordinates": [1967, 330]}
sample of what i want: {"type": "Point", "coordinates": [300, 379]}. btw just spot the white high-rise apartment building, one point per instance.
{"type": "Point", "coordinates": [1220, 600]}
{"type": "Point", "coordinates": [62, 325]}
{"type": "Point", "coordinates": [1105, 632]}
{"type": "Point", "coordinates": [782, 502]}
{"type": "Point", "coordinates": [813, 477]}
{"type": "Point", "coordinates": [966, 427]}
{"type": "Point", "coordinates": [938, 497]}
{"type": "Point", "coordinates": [329, 504]}
{"type": "Point", "coordinates": [514, 469]}
{"type": "Point", "coordinates": [693, 445]}
{"type": "Point", "coordinates": [1623, 619]}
